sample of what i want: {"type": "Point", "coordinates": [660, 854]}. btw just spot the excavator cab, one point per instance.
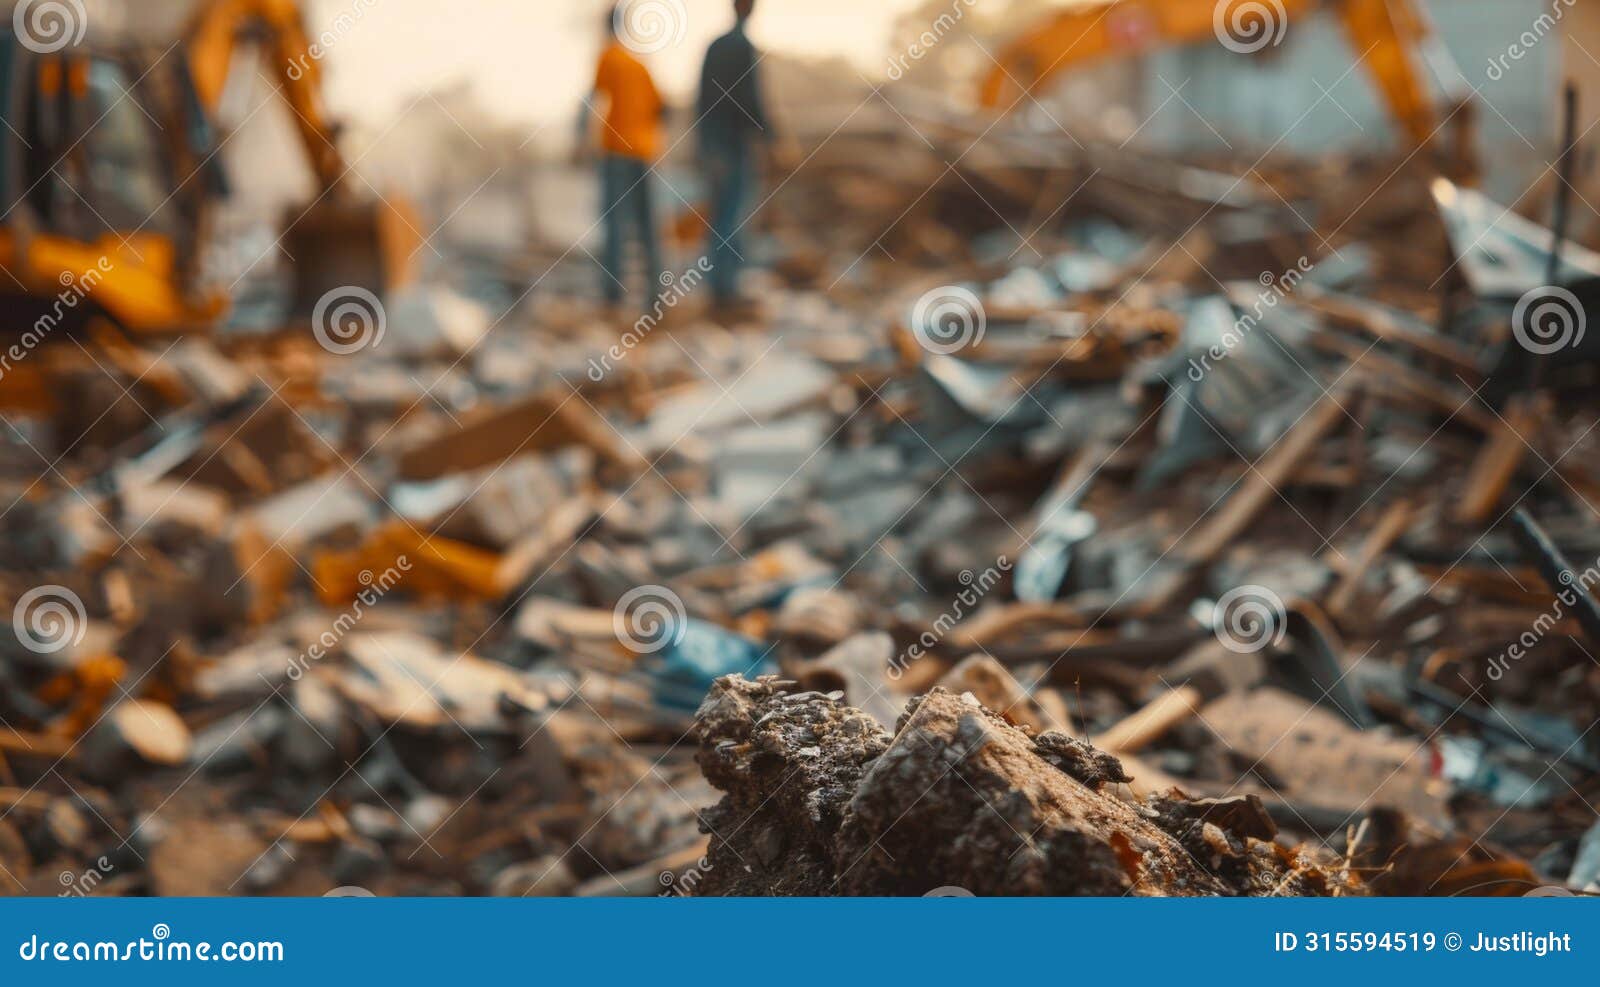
{"type": "Point", "coordinates": [105, 168]}
{"type": "Point", "coordinates": [110, 168]}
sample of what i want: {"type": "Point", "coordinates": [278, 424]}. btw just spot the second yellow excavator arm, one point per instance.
{"type": "Point", "coordinates": [278, 27]}
{"type": "Point", "coordinates": [1389, 37]}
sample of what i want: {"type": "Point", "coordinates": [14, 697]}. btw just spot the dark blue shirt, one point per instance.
{"type": "Point", "coordinates": [731, 112]}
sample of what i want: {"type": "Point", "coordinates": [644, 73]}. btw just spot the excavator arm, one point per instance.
{"type": "Point", "coordinates": [277, 26]}
{"type": "Point", "coordinates": [1389, 37]}
{"type": "Point", "coordinates": [339, 241]}
{"type": "Point", "coordinates": [1392, 38]}
{"type": "Point", "coordinates": [1084, 34]}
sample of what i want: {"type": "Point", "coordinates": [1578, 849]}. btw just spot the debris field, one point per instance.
{"type": "Point", "coordinates": [1174, 543]}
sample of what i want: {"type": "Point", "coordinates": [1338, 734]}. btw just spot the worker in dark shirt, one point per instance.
{"type": "Point", "coordinates": [732, 129]}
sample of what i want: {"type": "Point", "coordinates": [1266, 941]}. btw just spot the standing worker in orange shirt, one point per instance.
{"type": "Point", "coordinates": [630, 140]}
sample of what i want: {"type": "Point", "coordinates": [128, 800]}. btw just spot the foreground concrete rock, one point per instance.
{"type": "Point", "coordinates": [820, 800]}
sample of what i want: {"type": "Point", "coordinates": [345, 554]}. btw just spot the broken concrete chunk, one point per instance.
{"type": "Point", "coordinates": [1080, 759]}
{"type": "Point", "coordinates": [408, 679]}
{"type": "Point", "coordinates": [817, 615]}
{"type": "Point", "coordinates": [191, 505]}
{"type": "Point", "coordinates": [776, 383]}
{"type": "Point", "coordinates": [543, 877]}
{"type": "Point", "coordinates": [1313, 756]}
{"type": "Point", "coordinates": [135, 731]}
{"type": "Point", "coordinates": [996, 688]}
{"type": "Point", "coordinates": [818, 801]}
{"type": "Point", "coordinates": [434, 319]}
{"type": "Point", "coordinates": [787, 764]}
{"type": "Point", "coordinates": [948, 802]}
{"type": "Point", "coordinates": [308, 512]}
{"type": "Point", "coordinates": [859, 669]}
{"type": "Point", "coordinates": [201, 857]}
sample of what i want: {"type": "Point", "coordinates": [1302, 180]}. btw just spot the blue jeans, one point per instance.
{"type": "Point", "coordinates": [626, 206]}
{"type": "Point", "coordinates": [730, 173]}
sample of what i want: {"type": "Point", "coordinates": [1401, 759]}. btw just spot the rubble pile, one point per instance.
{"type": "Point", "coordinates": [1115, 526]}
{"type": "Point", "coordinates": [957, 797]}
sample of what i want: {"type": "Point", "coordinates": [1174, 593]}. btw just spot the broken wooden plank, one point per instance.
{"type": "Point", "coordinates": [536, 424]}
{"type": "Point", "coordinates": [1258, 488]}
{"type": "Point", "coordinates": [1391, 525]}
{"type": "Point", "coordinates": [1497, 463]}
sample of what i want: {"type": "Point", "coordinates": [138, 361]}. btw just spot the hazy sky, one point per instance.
{"type": "Point", "coordinates": [532, 60]}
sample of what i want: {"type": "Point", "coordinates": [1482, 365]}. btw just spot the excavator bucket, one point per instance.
{"type": "Point", "coordinates": [336, 245]}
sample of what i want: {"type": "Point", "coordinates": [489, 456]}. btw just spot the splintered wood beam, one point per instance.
{"type": "Point", "coordinates": [1391, 525]}
{"type": "Point", "coordinates": [1496, 464]}
{"type": "Point", "coordinates": [1223, 525]}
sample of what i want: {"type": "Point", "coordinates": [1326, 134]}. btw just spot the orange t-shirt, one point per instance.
{"type": "Point", "coordinates": [633, 112]}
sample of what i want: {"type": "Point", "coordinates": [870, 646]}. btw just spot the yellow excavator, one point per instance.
{"type": "Point", "coordinates": [1393, 39]}
{"type": "Point", "coordinates": [110, 170]}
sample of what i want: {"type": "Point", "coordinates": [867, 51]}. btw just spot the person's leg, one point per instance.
{"type": "Point", "coordinates": [726, 177]}
{"type": "Point", "coordinates": [713, 169]}
{"type": "Point", "coordinates": [645, 218]}
{"type": "Point", "coordinates": [741, 183]}
{"type": "Point", "coordinates": [612, 187]}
